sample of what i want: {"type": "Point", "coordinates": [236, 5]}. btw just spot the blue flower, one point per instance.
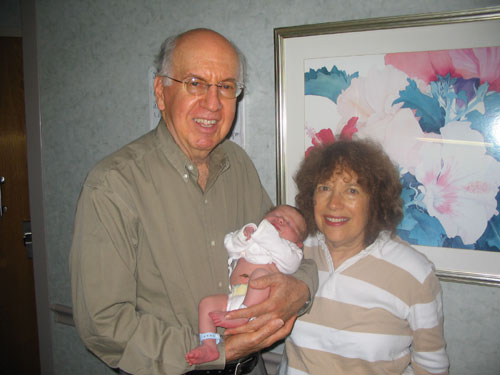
{"type": "Point", "coordinates": [326, 83]}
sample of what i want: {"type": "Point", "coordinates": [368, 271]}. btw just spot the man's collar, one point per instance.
{"type": "Point", "coordinates": [218, 161]}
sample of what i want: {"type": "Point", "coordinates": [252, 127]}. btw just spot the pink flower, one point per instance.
{"type": "Point", "coordinates": [423, 65]}
{"type": "Point", "coordinates": [323, 137]}
{"type": "Point", "coordinates": [350, 128]}
{"type": "Point", "coordinates": [482, 63]}
{"type": "Point", "coordinates": [326, 136]}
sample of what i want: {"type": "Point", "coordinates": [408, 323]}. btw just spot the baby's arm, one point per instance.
{"type": "Point", "coordinates": [247, 231]}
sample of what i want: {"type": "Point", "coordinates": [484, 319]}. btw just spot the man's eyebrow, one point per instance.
{"type": "Point", "coordinates": [193, 75]}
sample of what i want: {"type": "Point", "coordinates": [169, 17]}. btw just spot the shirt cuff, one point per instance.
{"type": "Point", "coordinates": [305, 307]}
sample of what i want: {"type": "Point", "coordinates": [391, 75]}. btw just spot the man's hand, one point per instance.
{"type": "Point", "coordinates": [257, 338]}
{"type": "Point", "coordinates": [274, 317]}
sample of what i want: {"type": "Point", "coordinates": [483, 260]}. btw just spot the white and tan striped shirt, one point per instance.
{"type": "Point", "coordinates": [379, 312]}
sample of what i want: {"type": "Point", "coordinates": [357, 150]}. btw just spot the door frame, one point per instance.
{"type": "Point", "coordinates": [35, 178]}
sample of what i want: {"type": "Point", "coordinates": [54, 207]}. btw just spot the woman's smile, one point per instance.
{"type": "Point", "coordinates": [333, 220]}
{"type": "Point", "coordinates": [341, 213]}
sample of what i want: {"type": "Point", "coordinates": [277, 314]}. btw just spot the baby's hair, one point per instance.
{"type": "Point", "coordinates": [295, 208]}
{"type": "Point", "coordinates": [303, 235]}
{"type": "Point", "coordinates": [270, 210]}
{"type": "Point", "coordinates": [288, 205]}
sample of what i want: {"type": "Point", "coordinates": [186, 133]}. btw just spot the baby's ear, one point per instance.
{"type": "Point", "coordinates": [300, 244]}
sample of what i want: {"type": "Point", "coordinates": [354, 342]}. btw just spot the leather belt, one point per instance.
{"type": "Point", "coordinates": [241, 366]}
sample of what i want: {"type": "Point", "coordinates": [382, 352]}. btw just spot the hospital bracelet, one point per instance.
{"type": "Point", "coordinates": [210, 335]}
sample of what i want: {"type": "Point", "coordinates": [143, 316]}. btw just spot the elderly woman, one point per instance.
{"type": "Point", "coordinates": [378, 308]}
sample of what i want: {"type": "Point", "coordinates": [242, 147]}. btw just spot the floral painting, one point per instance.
{"type": "Point", "coordinates": [437, 115]}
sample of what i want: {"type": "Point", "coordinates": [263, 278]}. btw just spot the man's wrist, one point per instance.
{"type": "Point", "coordinates": [304, 307]}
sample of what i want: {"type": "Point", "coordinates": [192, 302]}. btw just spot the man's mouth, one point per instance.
{"type": "Point", "coordinates": [204, 122]}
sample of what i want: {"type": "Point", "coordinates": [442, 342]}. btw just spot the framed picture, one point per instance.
{"type": "Point", "coordinates": [427, 87]}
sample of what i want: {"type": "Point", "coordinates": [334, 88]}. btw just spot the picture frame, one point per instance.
{"type": "Point", "coordinates": [295, 48]}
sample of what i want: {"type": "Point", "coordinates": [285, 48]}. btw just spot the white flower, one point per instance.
{"type": "Point", "coordinates": [370, 99]}
{"type": "Point", "coordinates": [460, 180]}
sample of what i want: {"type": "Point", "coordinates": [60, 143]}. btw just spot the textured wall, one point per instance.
{"type": "Point", "coordinates": [10, 18]}
{"type": "Point", "coordinates": [94, 57]}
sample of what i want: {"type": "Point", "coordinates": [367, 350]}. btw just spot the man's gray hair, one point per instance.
{"type": "Point", "coordinates": [163, 61]}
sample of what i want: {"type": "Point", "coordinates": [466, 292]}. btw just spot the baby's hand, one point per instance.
{"type": "Point", "coordinates": [248, 231]}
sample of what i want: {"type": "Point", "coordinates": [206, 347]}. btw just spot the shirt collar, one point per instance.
{"type": "Point", "coordinates": [379, 242]}
{"type": "Point", "coordinates": [218, 163]}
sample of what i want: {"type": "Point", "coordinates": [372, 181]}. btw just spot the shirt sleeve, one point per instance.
{"type": "Point", "coordinates": [104, 289]}
{"type": "Point", "coordinates": [236, 242]}
{"type": "Point", "coordinates": [426, 321]}
{"type": "Point", "coordinates": [308, 273]}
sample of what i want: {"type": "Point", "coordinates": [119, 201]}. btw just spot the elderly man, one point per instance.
{"type": "Point", "coordinates": [150, 222]}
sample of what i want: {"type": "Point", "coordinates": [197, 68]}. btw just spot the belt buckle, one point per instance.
{"type": "Point", "coordinates": [237, 369]}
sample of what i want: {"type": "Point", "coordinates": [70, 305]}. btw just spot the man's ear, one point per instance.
{"type": "Point", "coordinates": [159, 94]}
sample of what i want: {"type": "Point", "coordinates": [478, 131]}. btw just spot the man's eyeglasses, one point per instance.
{"type": "Point", "coordinates": [196, 86]}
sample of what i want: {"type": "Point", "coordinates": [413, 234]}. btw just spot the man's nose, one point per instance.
{"type": "Point", "coordinates": [211, 100]}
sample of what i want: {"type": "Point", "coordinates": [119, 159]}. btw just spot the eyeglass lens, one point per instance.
{"type": "Point", "coordinates": [197, 86]}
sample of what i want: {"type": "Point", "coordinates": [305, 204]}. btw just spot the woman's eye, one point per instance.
{"type": "Point", "coordinates": [354, 190]}
{"type": "Point", "coordinates": [322, 188]}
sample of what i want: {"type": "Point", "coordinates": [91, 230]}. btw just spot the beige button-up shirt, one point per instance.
{"type": "Point", "coordinates": [148, 245]}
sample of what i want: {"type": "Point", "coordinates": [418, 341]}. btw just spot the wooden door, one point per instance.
{"type": "Point", "coordinates": [19, 352]}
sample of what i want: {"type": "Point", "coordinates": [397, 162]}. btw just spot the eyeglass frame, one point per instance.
{"type": "Point", "coordinates": [239, 86]}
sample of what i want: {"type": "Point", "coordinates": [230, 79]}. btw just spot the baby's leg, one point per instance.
{"type": "Point", "coordinates": [207, 350]}
{"type": "Point", "coordinates": [256, 296]}
{"type": "Point", "coordinates": [252, 297]}
{"type": "Point", "coordinates": [219, 318]}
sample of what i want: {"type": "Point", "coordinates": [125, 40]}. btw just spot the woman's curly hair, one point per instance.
{"type": "Point", "coordinates": [376, 174]}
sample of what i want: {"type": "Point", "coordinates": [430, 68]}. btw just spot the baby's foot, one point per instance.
{"type": "Point", "coordinates": [219, 319]}
{"type": "Point", "coordinates": [201, 354]}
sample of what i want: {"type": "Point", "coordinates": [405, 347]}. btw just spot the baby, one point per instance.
{"type": "Point", "coordinates": [254, 251]}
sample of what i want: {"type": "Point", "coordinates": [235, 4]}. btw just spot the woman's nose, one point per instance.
{"type": "Point", "coordinates": [335, 201]}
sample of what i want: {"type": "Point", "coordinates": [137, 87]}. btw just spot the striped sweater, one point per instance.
{"type": "Point", "coordinates": [379, 312]}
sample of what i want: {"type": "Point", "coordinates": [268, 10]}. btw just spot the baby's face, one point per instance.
{"type": "Point", "coordinates": [288, 222]}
